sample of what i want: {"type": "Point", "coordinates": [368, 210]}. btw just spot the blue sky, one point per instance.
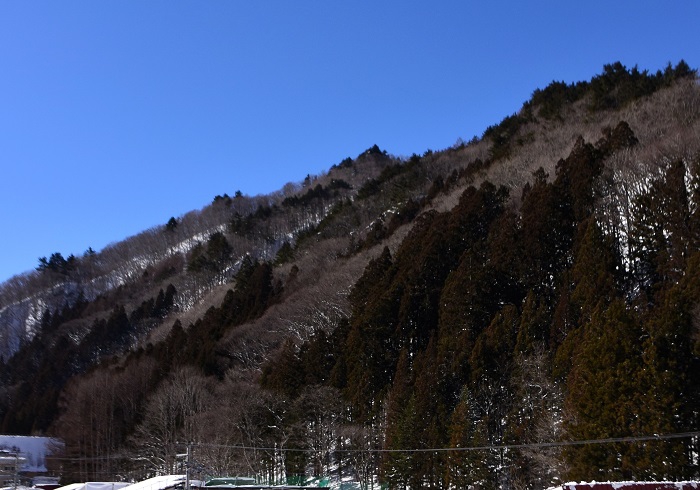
{"type": "Point", "coordinates": [117, 115]}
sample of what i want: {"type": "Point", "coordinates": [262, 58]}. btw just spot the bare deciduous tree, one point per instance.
{"type": "Point", "coordinates": [169, 420]}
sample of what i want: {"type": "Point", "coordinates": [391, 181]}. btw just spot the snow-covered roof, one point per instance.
{"type": "Point", "coordinates": [630, 485]}
{"type": "Point", "coordinates": [157, 483]}
{"type": "Point", "coordinates": [72, 486]}
{"type": "Point", "coordinates": [95, 485]}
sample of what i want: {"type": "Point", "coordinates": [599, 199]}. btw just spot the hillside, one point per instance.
{"type": "Point", "coordinates": [517, 293]}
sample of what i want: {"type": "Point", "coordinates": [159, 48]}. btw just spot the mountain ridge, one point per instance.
{"type": "Point", "coordinates": [405, 230]}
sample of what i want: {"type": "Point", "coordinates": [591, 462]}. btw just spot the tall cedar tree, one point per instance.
{"type": "Point", "coordinates": [604, 394]}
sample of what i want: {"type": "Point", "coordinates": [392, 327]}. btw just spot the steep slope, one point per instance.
{"type": "Point", "coordinates": [535, 285]}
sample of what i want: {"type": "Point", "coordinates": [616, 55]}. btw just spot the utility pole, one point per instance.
{"type": "Point", "coordinates": [187, 467]}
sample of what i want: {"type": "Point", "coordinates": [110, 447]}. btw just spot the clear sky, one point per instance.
{"type": "Point", "coordinates": [117, 115]}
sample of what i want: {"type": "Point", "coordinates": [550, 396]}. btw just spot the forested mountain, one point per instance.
{"type": "Point", "coordinates": [514, 311]}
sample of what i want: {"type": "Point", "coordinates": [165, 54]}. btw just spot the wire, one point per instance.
{"type": "Point", "coordinates": [610, 440]}
{"type": "Point", "coordinates": [535, 445]}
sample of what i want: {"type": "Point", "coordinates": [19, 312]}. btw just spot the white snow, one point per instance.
{"type": "Point", "coordinates": [95, 485]}
{"type": "Point", "coordinates": [33, 449]}
{"type": "Point", "coordinates": [157, 483]}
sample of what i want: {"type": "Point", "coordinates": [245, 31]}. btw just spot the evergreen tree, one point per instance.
{"type": "Point", "coordinates": [317, 358]}
{"type": "Point", "coordinates": [431, 410]}
{"type": "Point", "coordinates": [547, 218]}
{"type": "Point", "coordinates": [284, 254]}
{"type": "Point", "coordinates": [400, 425]}
{"type": "Point", "coordinates": [576, 177]}
{"type": "Point", "coordinates": [661, 232]}
{"type": "Point", "coordinates": [535, 320]}
{"type": "Point", "coordinates": [286, 373]}
{"type": "Point", "coordinates": [471, 464]}
{"type": "Point", "coordinates": [590, 284]}
{"type": "Point", "coordinates": [670, 381]}
{"type": "Point", "coordinates": [171, 225]}
{"type": "Point", "coordinates": [604, 395]}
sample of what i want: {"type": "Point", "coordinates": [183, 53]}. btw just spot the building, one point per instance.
{"type": "Point", "coordinates": [25, 457]}
{"type": "Point", "coordinates": [11, 464]}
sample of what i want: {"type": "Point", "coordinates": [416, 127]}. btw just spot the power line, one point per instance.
{"type": "Point", "coordinates": [534, 445]}
{"type": "Point", "coordinates": [610, 440]}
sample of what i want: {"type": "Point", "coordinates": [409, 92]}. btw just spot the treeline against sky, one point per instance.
{"type": "Point", "coordinates": [492, 326]}
{"type": "Point", "coordinates": [400, 305]}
